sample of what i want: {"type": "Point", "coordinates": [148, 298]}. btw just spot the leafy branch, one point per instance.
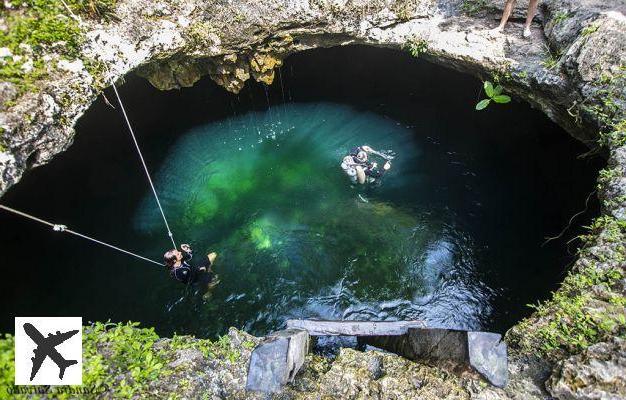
{"type": "Point", "coordinates": [494, 94]}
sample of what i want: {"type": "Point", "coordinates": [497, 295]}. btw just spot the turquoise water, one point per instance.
{"type": "Point", "coordinates": [296, 238]}
{"type": "Point", "coordinates": [453, 235]}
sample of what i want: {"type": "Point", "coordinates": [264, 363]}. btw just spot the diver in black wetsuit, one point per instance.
{"type": "Point", "coordinates": [372, 171]}
{"type": "Point", "coordinates": [360, 169]}
{"type": "Point", "coordinates": [180, 268]}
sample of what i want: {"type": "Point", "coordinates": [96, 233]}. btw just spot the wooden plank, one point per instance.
{"type": "Point", "coordinates": [353, 328]}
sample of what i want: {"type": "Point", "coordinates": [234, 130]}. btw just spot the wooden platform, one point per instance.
{"type": "Point", "coordinates": [353, 328]}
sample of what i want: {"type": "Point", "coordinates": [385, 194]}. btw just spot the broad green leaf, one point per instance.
{"type": "Point", "coordinates": [497, 91]}
{"type": "Point", "coordinates": [501, 98]}
{"type": "Point", "coordinates": [482, 104]}
{"type": "Point", "coordinates": [488, 88]}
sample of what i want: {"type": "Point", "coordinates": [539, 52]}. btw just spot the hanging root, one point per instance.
{"type": "Point", "coordinates": [107, 102]}
{"type": "Point", "coordinates": [571, 220]}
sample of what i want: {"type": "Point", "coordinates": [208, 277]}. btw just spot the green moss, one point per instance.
{"type": "Point", "coordinates": [574, 325]}
{"type": "Point", "coordinates": [40, 27]}
{"type": "Point", "coordinates": [7, 361]}
{"type": "Point", "coordinates": [612, 230]}
{"type": "Point", "coordinates": [561, 16]}
{"type": "Point", "coordinates": [473, 7]}
{"type": "Point", "coordinates": [615, 137]}
{"type": "Point", "coordinates": [95, 9]}
{"type": "Point", "coordinates": [577, 316]}
{"type": "Point", "coordinates": [124, 358]}
{"type": "Point", "coordinates": [129, 352]}
{"type": "Point", "coordinates": [589, 29]}
{"type": "Point", "coordinates": [2, 146]}
{"type": "Point", "coordinates": [505, 74]}
{"type": "Point", "coordinates": [605, 106]}
{"type": "Point", "coordinates": [97, 70]}
{"type": "Point", "coordinates": [218, 349]}
{"type": "Point", "coordinates": [607, 175]}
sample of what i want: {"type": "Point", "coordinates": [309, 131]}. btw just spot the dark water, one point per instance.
{"type": "Point", "coordinates": [452, 236]}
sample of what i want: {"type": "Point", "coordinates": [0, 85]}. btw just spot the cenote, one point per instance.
{"type": "Point", "coordinates": [454, 235]}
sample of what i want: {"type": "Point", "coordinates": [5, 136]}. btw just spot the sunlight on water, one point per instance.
{"type": "Point", "coordinates": [297, 239]}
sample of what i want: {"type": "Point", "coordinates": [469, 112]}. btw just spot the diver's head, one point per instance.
{"type": "Point", "coordinates": [171, 257]}
{"type": "Point", "coordinates": [361, 156]}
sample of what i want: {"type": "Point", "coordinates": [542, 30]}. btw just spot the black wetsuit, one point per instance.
{"type": "Point", "coordinates": [368, 167]}
{"type": "Point", "coordinates": [185, 273]}
{"type": "Point", "coordinates": [354, 152]}
{"type": "Point", "coordinates": [189, 274]}
{"type": "Point", "coordinates": [373, 172]}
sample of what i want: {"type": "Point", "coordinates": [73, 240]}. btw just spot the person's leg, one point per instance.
{"type": "Point", "coordinates": [211, 256]}
{"type": "Point", "coordinates": [210, 278]}
{"type": "Point", "coordinates": [532, 10]}
{"type": "Point", "coordinates": [360, 174]}
{"type": "Point", "coordinates": [508, 9]}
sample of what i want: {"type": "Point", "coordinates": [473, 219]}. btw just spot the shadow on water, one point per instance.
{"type": "Point", "coordinates": [453, 235]}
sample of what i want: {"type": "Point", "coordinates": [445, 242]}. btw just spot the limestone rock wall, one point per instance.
{"type": "Point", "coordinates": [175, 42]}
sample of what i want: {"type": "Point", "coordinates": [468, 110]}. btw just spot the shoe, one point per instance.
{"type": "Point", "coordinates": [527, 33]}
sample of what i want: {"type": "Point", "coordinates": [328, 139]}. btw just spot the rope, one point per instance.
{"type": "Point", "coordinates": [63, 228]}
{"type": "Point", "coordinates": [145, 167]}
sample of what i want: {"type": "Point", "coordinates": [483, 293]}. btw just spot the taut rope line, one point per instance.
{"type": "Point", "coordinates": [63, 228]}
{"type": "Point", "coordinates": [143, 162]}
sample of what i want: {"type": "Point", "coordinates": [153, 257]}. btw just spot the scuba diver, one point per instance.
{"type": "Point", "coordinates": [180, 268]}
{"type": "Point", "coordinates": [357, 166]}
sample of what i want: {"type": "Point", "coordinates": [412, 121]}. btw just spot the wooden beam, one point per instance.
{"type": "Point", "coordinates": [353, 328]}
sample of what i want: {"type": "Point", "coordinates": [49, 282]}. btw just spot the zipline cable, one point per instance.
{"type": "Point", "coordinates": [63, 228]}
{"type": "Point", "coordinates": [143, 162]}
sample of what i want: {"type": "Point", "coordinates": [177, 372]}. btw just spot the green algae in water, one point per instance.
{"type": "Point", "coordinates": [295, 237]}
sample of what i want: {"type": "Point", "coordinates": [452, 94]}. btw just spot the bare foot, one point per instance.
{"type": "Point", "coordinates": [497, 29]}
{"type": "Point", "coordinates": [212, 256]}
{"type": "Point", "coordinates": [526, 32]}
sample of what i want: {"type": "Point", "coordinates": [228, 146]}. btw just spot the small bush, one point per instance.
{"type": "Point", "coordinates": [416, 46]}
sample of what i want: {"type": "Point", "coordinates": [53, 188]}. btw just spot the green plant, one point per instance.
{"type": "Point", "coordinates": [2, 146]}
{"type": "Point", "coordinates": [605, 106]}
{"type": "Point", "coordinates": [493, 93]}
{"type": "Point", "coordinates": [7, 363]}
{"type": "Point", "coordinates": [130, 353]}
{"type": "Point", "coordinates": [404, 9]}
{"type": "Point", "coordinates": [416, 46]}
{"type": "Point", "coordinates": [473, 7]}
{"type": "Point", "coordinates": [575, 324]}
{"type": "Point", "coordinates": [589, 29]}
{"type": "Point", "coordinates": [551, 57]}
{"type": "Point", "coordinates": [97, 9]}
{"type": "Point", "coordinates": [607, 175]}
{"type": "Point", "coordinates": [551, 61]}
{"type": "Point", "coordinates": [616, 136]}
{"type": "Point", "coordinates": [561, 16]}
